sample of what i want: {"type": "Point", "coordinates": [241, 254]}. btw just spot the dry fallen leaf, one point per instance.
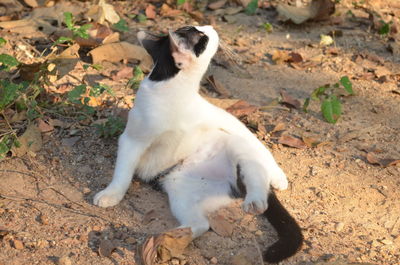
{"type": "Point", "coordinates": [280, 56]}
{"type": "Point", "coordinates": [385, 162]}
{"type": "Point", "coordinates": [317, 10]}
{"type": "Point", "coordinates": [289, 101]}
{"type": "Point", "coordinates": [279, 127]}
{"type": "Point", "coordinates": [126, 72]}
{"type": "Point", "coordinates": [17, 244]}
{"type": "Point", "coordinates": [222, 103]}
{"type": "Point", "coordinates": [217, 4]}
{"type": "Point", "coordinates": [242, 108]}
{"type": "Point", "coordinates": [292, 141]}
{"type": "Point", "coordinates": [165, 246]}
{"type": "Point", "coordinates": [106, 248]}
{"type": "Point", "coordinates": [220, 225]}
{"type": "Point", "coordinates": [66, 61]}
{"type": "Point", "coordinates": [30, 141]}
{"type": "Point", "coordinates": [115, 52]}
{"type": "Point", "coordinates": [218, 87]}
{"type": "Point", "coordinates": [311, 141]}
{"type": "Point", "coordinates": [103, 12]}
{"type": "Point", "coordinates": [150, 11]}
{"type": "Point", "coordinates": [167, 11]}
{"type": "Point", "coordinates": [44, 125]}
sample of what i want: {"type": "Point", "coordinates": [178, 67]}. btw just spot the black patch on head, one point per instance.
{"type": "Point", "coordinates": [160, 51]}
{"type": "Point", "coordinates": [194, 39]}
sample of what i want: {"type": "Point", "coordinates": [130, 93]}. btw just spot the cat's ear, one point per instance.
{"type": "Point", "coordinates": [182, 56]}
{"type": "Point", "coordinates": [150, 43]}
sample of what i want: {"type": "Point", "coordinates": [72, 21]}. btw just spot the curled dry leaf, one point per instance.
{"type": "Point", "coordinates": [317, 10]}
{"type": "Point", "coordinates": [289, 101]}
{"type": "Point", "coordinates": [165, 246]}
{"type": "Point", "coordinates": [292, 141]}
{"type": "Point", "coordinates": [106, 248]}
{"type": "Point", "coordinates": [385, 162]}
{"type": "Point", "coordinates": [280, 126]}
{"type": "Point", "coordinates": [115, 52]}
{"type": "Point", "coordinates": [220, 225]}
{"type": "Point", "coordinates": [311, 141]}
{"type": "Point", "coordinates": [280, 56]}
{"type": "Point", "coordinates": [126, 72]}
{"type": "Point", "coordinates": [44, 125]}
{"type": "Point", "coordinates": [167, 11]}
{"type": "Point", "coordinates": [103, 12]}
{"type": "Point", "coordinates": [30, 141]}
{"type": "Point", "coordinates": [242, 108]}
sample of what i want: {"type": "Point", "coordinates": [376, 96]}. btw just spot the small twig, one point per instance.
{"type": "Point", "coordinates": [258, 251]}
{"type": "Point", "coordinates": [62, 207]}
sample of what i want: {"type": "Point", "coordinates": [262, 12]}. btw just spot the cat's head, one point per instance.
{"type": "Point", "coordinates": [187, 49]}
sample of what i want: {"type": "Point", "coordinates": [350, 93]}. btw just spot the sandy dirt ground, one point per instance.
{"type": "Point", "coordinates": [348, 208]}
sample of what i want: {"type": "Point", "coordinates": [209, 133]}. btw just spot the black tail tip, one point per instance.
{"type": "Point", "coordinates": [283, 249]}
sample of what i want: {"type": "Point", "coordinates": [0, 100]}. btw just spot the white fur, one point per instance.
{"type": "Point", "coordinates": [171, 122]}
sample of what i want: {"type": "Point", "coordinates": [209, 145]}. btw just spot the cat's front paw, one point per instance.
{"type": "Point", "coordinates": [255, 203]}
{"type": "Point", "coordinates": [278, 179]}
{"type": "Point", "coordinates": [107, 198]}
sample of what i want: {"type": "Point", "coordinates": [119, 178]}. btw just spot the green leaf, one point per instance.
{"type": "Point", "coordinates": [5, 145]}
{"type": "Point", "coordinates": [8, 93]}
{"type": "Point", "coordinates": [331, 109]}
{"type": "Point", "coordinates": [268, 27]}
{"type": "Point", "coordinates": [7, 62]}
{"type": "Point", "coordinates": [180, 2]}
{"type": "Point", "coordinates": [2, 41]}
{"type": "Point", "coordinates": [346, 83]}
{"type": "Point", "coordinates": [141, 18]}
{"type": "Point", "coordinates": [86, 66]}
{"type": "Point", "coordinates": [82, 31]}
{"type": "Point", "coordinates": [68, 20]}
{"type": "Point", "coordinates": [74, 95]}
{"type": "Point", "coordinates": [251, 7]}
{"type": "Point", "coordinates": [319, 92]}
{"type": "Point", "coordinates": [306, 104]}
{"type": "Point", "coordinates": [114, 126]}
{"type": "Point", "coordinates": [121, 25]}
{"type": "Point", "coordinates": [385, 29]}
{"type": "Point", "coordinates": [138, 76]}
{"type": "Point", "coordinates": [62, 40]}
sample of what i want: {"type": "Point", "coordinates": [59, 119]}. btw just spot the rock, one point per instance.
{"type": "Point", "coordinates": [387, 242]}
{"type": "Point", "coordinates": [43, 219]}
{"type": "Point", "coordinates": [175, 261]}
{"type": "Point", "coordinates": [106, 248]}
{"type": "Point", "coordinates": [18, 244]}
{"type": "Point", "coordinates": [259, 233]}
{"type": "Point", "coordinates": [213, 260]}
{"type": "Point", "coordinates": [339, 226]}
{"type": "Point", "coordinates": [86, 190]}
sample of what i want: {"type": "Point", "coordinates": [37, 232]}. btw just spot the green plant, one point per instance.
{"type": "Point", "coordinates": [77, 31]}
{"type": "Point", "coordinates": [114, 126]}
{"type": "Point", "coordinates": [251, 8]}
{"type": "Point", "coordinates": [121, 25]}
{"type": "Point", "coordinates": [138, 76]}
{"type": "Point", "coordinates": [268, 27]}
{"type": "Point", "coordinates": [2, 41]}
{"type": "Point", "coordinates": [180, 2]}
{"type": "Point", "coordinates": [385, 28]}
{"type": "Point", "coordinates": [329, 96]}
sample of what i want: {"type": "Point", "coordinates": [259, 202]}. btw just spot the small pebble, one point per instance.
{"type": "Point", "coordinates": [213, 260]}
{"type": "Point", "coordinates": [86, 190]}
{"type": "Point", "coordinates": [339, 226]}
{"type": "Point", "coordinates": [64, 260]}
{"type": "Point", "coordinates": [43, 219]}
{"type": "Point", "coordinates": [259, 233]}
{"type": "Point", "coordinates": [18, 244]}
{"type": "Point", "coordinates": [130, 240]}
{"type": "Point", "coordinates": [387, 242]}
{"type": "Point", "coordinates": [175, 261]}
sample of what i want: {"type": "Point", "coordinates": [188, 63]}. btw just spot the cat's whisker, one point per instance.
{"type": "Point", "coordinates": [229, 53]}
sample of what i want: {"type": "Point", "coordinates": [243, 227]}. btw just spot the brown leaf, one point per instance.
{"type": "Point", "coordinates": [126, 72]}
{"type": "Point", "coordinates": [317, 10]}
{"type": "Point", "coordinates": [292, 141]}
{"type": "Point", "coordinates": [279, 127]}
{"type": "Point", "coordinates": [280, 56]}
{"type": "Point", "coordinates": [218, 87]}
{"type": "Point", "coordinates": [220, 225]}
{"type": "Point", "coordinates": [242, 108]}
{"type": "Point", "coordinates": [217, 4]}
{"type": "Point", "coordinates": [65, 61]}
{"type": "Point", "coordinates": [17, 244]}
{"type": "Point", "coordinates": [310, 141]}
{"type": "Point", "coordinates": [167, 11]}
{"type": "Point", "coordinates": [386, 162]}
{"type": "Point", "coordinates": [30, 141]}
{"type": "Point", "coordinates": [149, 252]}
{"type": "Point", "coordinates": [165, 246]}
{"type": "Point", "coordinates": [106, 248]}
{"type": "Point", "coordinates": [295, 57]}
{"type": "Point", "coordinates": [173, 243]}
{"type": "Point", "coordinates": [44, 125]}
{"type": "Point", "coordinates": [289, 101]}
{"type": "Point", "coordinates": [151, 11]}
{"type": "Point", "coordinates": [115, 52]}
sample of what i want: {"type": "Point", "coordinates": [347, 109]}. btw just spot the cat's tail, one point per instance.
{"type": "Point", "coordinates": [289, 232]}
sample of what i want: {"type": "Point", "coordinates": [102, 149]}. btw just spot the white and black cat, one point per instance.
{"type": "Point", "coordinates": [208, 153]}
